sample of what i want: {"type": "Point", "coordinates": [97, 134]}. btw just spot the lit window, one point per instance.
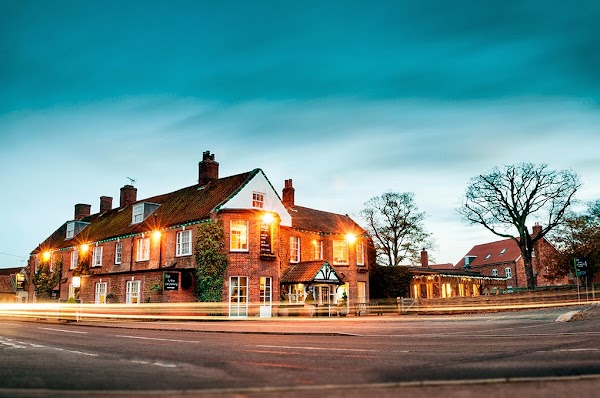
{"type": "Point", "coordinates": [97, 257]}
{"type": "Point", "coordinates": [184, 243]}
{"type": "Point", "coordinates": [238, 296]}
{"type": "Point", "coordinates": [317, 250]}
{"type": "Point", "coordinates": [133, 292]}
{"type": "Point", "coordinates": [340, 251]}
{"type": "Point", "coordinates": [508, 272]}
{"type": "Point", "coordinates": [143, 249]}
{"type": "Point", "coordinates": [494, 272]}
{"type": "Point", "coordinates": [266, 284]}
{"type": "Point", "coordinates": [74, 258]}
{"type": "Point", "coordinates": [360, 254]}
{"type": "Point", "coordinates": [294, 249]}
{"type": "Point", "coordinates": [239, 235]}
{"type": "Point", "coordinates": [118, 252]}
{"type": "Point", "coordinates": [70, 230]}
{"type": "Point", "coordinates": [258, 200]}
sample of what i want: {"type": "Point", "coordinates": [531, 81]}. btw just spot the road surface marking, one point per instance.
{"type": "Point", "coordinates": [164, 365]}
{"type": "Point", "coordinates": [156, 338]}
{"type": "Point", "coordinates": [64, 330]}
{"type": "Point", "coordinates": [572, 350]}
{"type": "Point", "coordinates": [314, 348]}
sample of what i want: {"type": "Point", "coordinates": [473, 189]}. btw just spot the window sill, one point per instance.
{"type": "Point", "coordinates": [183, 255]}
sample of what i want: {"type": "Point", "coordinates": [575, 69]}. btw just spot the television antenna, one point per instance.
{"type": "Point", "coordinates": [131, 180]}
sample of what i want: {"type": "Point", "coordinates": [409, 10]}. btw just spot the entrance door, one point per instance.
{"type": "Point", "coordinates": [266, 285]}
{"type": "Point", "coordinates": [100, 293]}
{"type": "Point", "coordinates": [324, 300]}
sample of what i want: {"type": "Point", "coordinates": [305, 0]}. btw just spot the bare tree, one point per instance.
{"type": "Point", "coordinates": [396, 226]}
{"type": "Point", "coordinates": [503, 198]}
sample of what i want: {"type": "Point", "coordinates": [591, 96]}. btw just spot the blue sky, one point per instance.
{"type": "Point", "coordinates": [349, 99]}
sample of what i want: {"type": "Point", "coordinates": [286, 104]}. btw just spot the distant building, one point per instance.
{"type": "Point", "coordinates": [503, 258]}
{"type": "Point", "coordinates": [13, 286]}
{"type": "Point", "coordinates": [144, 250]}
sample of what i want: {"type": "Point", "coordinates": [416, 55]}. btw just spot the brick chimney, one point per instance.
{"type": "Point", "coordinates": [82, 210]}
{"type": "Point", "coordinates": [424, 258]}
{"type": "Point", "coordinates": [288, 194]}
{"type": "Point", "coordinates": [208, 169]}
{"type": "Point", "coordinates": [105, 204]}
{"type": "Point", "coordinates": [536, 230]}
{"type": "Point", "coordinates": [128, 195]}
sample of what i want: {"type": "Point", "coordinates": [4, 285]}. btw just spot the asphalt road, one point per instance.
{"type": "Point", "coordinates": [336, 357]}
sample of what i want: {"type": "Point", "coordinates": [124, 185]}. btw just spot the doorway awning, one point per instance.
{"type": "Point", "coordinates": [311, 272]}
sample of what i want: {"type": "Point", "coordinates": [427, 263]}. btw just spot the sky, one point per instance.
{"type": "Point", "coordinates": [349, 99]}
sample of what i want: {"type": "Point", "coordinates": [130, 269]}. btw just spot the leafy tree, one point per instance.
{"type": "Point", "coordinates": [505, 197]}
{"type": "Point", "coordinates": [44, 280]}
{"type": "Point", "coordinates": [211, 262]}
{"type": "Point", "coordinates": [389, 282]}
{"type": "Point", "coordinates": [578, 237]}
{"type": "Point", "coordinates": [395, 225]}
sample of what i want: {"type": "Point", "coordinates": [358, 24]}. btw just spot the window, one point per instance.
{"type": "Point", "coordinates": [239, 236]}
{"type": "Point", "coordinates": [503, 251]}
{"type": "Point", "coordinates": [100, 297]}
{"type": "Point", "coordinates": [70, 230]}
{"type": "Point", "coordinates": [340, 252]}
{"type": "Point", "coordinates": [97, 257]}
{"type": "Point", "coordinates": [74, 258]}
{"type": "Point", "coordinates": [143, 249]}
{"type": "Point", "coordinates": [487, 257]}
{"type": "Point", "coordinates": [360, 254]}
{"type": "Point", "coordinates": [317, 250]}
{"type": "Point", "coordinates": [494, 272]}
{"type": "Point", "coordinates": [133, 292]}
{"type": "Point", "coordinates": [184, 243]}
{"type": "Point", "coordinates": [258, 200]}
{"type": "Point", "coordinates": [508, 272]}
{"type": "Point", "coordinates": [71, 291]}
{"type": "Point", "coordinates": [265, 290]}
{"type": "Point", "coordinates": [238, 296]}
{"type": "Point", "coordinates": [118, 252]}
{"type": "Point", "coordinates": [296, 293]}
{"type": "Point", "coordinates": [294, 249]}
{"type": "Point", "coordinates": [138, 213]}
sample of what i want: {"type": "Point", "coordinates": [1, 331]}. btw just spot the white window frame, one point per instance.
{"type": "Point", "coordinates": [508, 272]}
{"type": "Point", "coordinates": [133, 292]}
{"type": "Point", "coordinates": [317, 250]}
{"type": "Point", "coordinates": [100, 293]}
{"type": "Point", "coordinates": [74, 258]}
{"type": "Point", "coordinates": [118, 252]}
{"type": "Point", "coordinates": [258, 200]}
{"type": "Point", "coordinates": [137, 213]}
{"type": "Point", "coordinates": [238, 296]}
{"type": "Point", "coordinates": [494, 272]}
{"type": "Point", "coordinates": [238, 240]}
{"type": "Point", "coordinates": [340, 258]}
{"type": "Point", "coordinates": [183, 243]}
{"type": "Point", "coordinates": [97, 256]}
{"type": "Point", "coordinates": [71, 291]}
{"type": "Point", "coordinates": [360, 253]}
{"type": "Point", "coordinates": [142, 252]}
{"type": "Point", "coordinates": [294, 249]}
{"type": "Point", "coordinates": [70, 230]}
{"type": "Point", "coordinates": [266, 290]}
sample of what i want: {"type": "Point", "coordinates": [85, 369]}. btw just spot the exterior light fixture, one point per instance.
{"type": "Point", "coordinates": [84, 248]}
{"type": "Point", "coordinates": [156, 235]}
{"type": "Point", "coordinates": [350, 238]}
{"type": "Point", "coordinates": [46, 255]}
{"type": "Point", "coordinates": [267, 218]}
{"type": "Point", "coordinates": [76, 281]}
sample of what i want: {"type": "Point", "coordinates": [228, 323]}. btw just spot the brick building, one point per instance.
{"type": "Point", "coordinates": [143, 250]}
{"type": "Point", "coordinates": [503, 258]}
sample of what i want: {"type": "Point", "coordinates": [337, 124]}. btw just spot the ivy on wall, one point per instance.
{"type": "Point", "coordinates": [211, 262]}
{"type": "Point", "coordinates": [44, 280]}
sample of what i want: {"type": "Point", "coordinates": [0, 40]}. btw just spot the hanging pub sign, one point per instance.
{"type": "Point", "coordinates": [265, 239]}
{"type": "Point", "coordinates": [20, 281]}
{"type": "Point", "coordinates": [171, 281]}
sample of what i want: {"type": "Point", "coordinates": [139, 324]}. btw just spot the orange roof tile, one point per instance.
{"type": "Point", "coordinates": [306, 219]}
{"type": "Point", "coordinates": [498, 252]}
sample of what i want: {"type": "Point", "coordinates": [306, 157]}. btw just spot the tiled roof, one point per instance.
{"type": "Point", "coordinates": [305, 272]}
{"type": "Point", "coordinates": [306, 219]}
{"type": "Point", "coordinates": [189, 204]}
{"type": "Point", "coordinates": [8, 271]}
{"type": "Point", "coordinates": [499, 252]}
{"type": "Point", "coordinates": [5, 284]}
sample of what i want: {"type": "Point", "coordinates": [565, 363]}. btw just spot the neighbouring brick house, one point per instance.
{"type": "Point", "coordinates": [143, 250]}
{"type": "Point", "coordinates": [13, 287]}
{"type": "Point", "coordinates": [503, 258]}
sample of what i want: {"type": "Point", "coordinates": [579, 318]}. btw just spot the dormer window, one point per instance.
{"type": "Point", "coordinates": [75, 227]}
{"type": "Point", "coordinates": [503, 251]}
{"type": "Point", "coordinates": [141, 211]}
{"type": "Point", "coordinates": [258, 200]}
{"type": "Point", "coordinates": [469, 260]}
{"type": "Point", "coordinates": [488, 256]}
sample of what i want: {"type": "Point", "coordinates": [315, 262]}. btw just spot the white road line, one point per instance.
{"type": "Point", "coordinates": [164, 365]}
{"type": "Point", "coordinates": [314, 348]}
{"type": "Point", "coordinates": [156, 338]}
{"type": "Point", "coordinates": [572, 350]}
{"type": "Point", "coordinates": [64, 330]}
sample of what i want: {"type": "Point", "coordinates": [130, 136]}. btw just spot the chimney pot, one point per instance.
{"type": "Point", "coordinates": [288, 194]}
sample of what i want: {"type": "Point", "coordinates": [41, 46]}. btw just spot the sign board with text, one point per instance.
{"type": "Point", "coordinates": [171, 281]}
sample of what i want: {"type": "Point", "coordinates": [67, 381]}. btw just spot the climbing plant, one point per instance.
{"type": "Point", "coordinates": [44, 279]}
{"type": "Point", "coordinates": [211, 261]}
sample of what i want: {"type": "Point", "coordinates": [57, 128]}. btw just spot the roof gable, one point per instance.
{"type": "Point", "coordinates": [312, 272]}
